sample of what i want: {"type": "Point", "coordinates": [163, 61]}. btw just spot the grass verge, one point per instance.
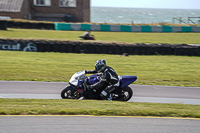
{"type": "Point", "coordinates": [59, 67]}
{"type": "Point", "coordinates": [128, 37]}
{"type": "Point", "coordinates": [91, 107]}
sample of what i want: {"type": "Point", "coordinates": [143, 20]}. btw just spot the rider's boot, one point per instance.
{"type": "Point", "coordinates": [105, 96]}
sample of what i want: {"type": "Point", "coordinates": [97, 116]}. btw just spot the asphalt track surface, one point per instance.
{"type": "Point", "coordinates": [142, 93]}
{"type": "Point", "coordinates": [92, 124]}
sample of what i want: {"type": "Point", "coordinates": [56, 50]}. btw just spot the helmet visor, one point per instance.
{"type": "Point", "coordinates": [98, 67]}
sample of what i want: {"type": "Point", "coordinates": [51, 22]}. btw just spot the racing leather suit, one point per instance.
{"type": "Point", "coordinates": [108, 78]}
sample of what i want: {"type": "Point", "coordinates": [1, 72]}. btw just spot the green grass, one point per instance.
{"type": "Point", "coordinates": [92, 107]}
{"type": "Point", "coordinates": [150, 70]}
{"type": "Point", "coordinates": [128, 37]}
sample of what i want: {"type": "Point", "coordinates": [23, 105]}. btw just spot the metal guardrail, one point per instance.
{"type": "Point", "coordinates": [185, 20]}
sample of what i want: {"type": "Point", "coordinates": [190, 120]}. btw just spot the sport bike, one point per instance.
{"type": "Point", "coordinates": [77, 88]}
{"type": "Point", "coordinates": [92, 37]}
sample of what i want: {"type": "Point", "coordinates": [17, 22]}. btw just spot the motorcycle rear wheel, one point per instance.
{"type": "Point", "coordinates": [125, 94]}
{"type": "Point", "coordinates": [69, 93]}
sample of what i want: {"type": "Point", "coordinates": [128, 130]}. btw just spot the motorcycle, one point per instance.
{"type": "Point", "coordinates": [87, 38]}
{"type": "Point", "coordinates": [77, 88]}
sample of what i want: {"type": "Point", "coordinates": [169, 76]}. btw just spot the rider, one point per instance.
{"type": "Point", "coordinates": [108, 79]}
{"type": "Point", "coordinates": [86, 35]}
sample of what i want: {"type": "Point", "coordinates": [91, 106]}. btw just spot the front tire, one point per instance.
{"type": "Point", "coordinates": [69, 93]}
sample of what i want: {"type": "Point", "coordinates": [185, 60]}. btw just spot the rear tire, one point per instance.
{"type": "Point", "coordinates": [125, 94]}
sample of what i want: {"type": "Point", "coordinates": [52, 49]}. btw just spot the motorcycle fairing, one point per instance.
{"type": "Point", "coordinates": [93, 79]}
{"type": "Point", "coordinates": [78, 78]}
{"type": "Point", "coordinates": [124, 80]}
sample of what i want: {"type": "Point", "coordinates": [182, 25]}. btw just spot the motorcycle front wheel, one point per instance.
{"type": "Point", "coordinates": [69, 93]}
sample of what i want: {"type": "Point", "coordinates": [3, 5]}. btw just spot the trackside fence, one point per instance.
{"type": "Point", "coordinates": [101, 27]}
{"type": "Point", "coordinates": [125, 28]}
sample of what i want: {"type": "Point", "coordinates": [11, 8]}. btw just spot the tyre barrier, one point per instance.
{"type": "Point", "coordinates": [3, 25]}
{"type": "Point", "coordinates": [29, 25]}
{"type": "Point", "coordinates": [99, 48]}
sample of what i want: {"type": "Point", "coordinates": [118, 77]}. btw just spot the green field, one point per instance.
{"type": "Point", "coordinates": [129, 37]}
{"type": "Point", "coordinates": [92, 107]}
{"type": "Point", "coordinates": [59, 67]}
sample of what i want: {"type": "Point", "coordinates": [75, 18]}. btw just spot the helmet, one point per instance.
{"type": "Point", "coordinates": [100, 65]}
